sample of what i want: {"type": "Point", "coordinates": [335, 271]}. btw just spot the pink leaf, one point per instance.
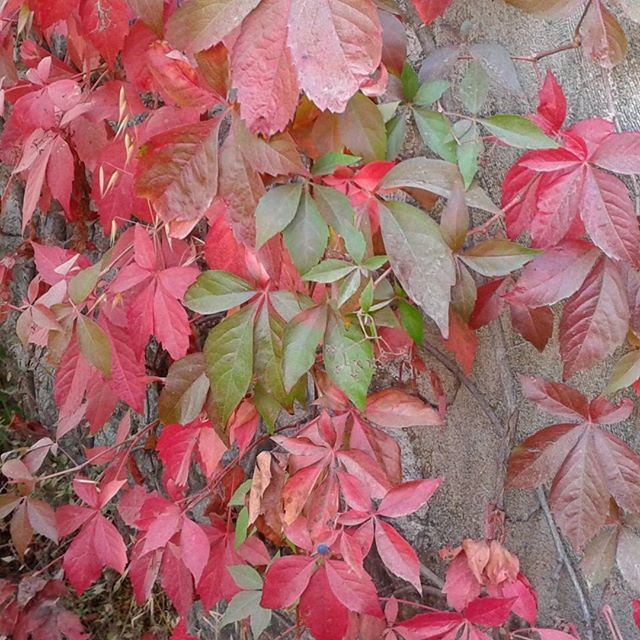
{"type": "Point", "coordinates": [397, 554]}
{"type": "Point", "coordinates": [489, 612]}
{"type": "Point", "coordinates": [620, 153]}
{"type": "Point", "coordinates": [262, 69]}
{"type": "Point", "coordinates": [407, 498]}
{"type": "Point", "coordinates": [285, 581]}
{"type": "Point", "coordinates": [397, 408]}
{"type": "Point", "coordinates": [558, 399]}
{"type": "Point", "coordinates": [460, 585]}
{"type": "Point", "coordinates": [595, 321]}
{"type": "Point", "coordinates": [335, 45]}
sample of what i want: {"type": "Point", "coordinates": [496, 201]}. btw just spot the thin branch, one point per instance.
{"type": "Point", "coordinates": [509, 386]}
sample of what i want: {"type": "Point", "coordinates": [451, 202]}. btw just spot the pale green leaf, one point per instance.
{"type": "Point", "coordinates": [276, 209]}
{"type": "Point", "coordinates": [185, 390]}
{"type": "Point", "coordinates": [518, 132]}
{"type": "Point", "coordinates": [329, 271]}
{"type": "Point", "coordinates": [348, 359]}
{"type": "Point", "coordinates": [94, 344]}
{"type": "Point", "coordinates": [307, 235]}
{"type": "Point", "coordinates": [301, 339]}
{"type": "Point", "coordinates": [228, 353]}
{"type": "Point", "coordinates": [498, 257]}
{"type": "Point", "coordinates": [216, 291]}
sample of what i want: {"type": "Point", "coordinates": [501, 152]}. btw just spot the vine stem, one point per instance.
{"type": "Point", "coordinates": [492, 416]}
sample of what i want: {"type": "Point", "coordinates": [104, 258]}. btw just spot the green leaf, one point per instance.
{"type": "Point", "coordinates": [388, 110]}
{"type": "Point", "coordinates": [228, 353]}
{"type": "Point", "coordinates": [337, 211]}
{"type": "Point", "coordinates": [83, 283]}
{"type": "Point", "coordinates": [362, 130]}
{"type": "Point", "coordinates": [435, 129]}
{"type": "Point", "coordinates": [185, 390]}
{"type": "Point", "coordinates": [498, 257]}
{"type": "Point", "coordinates": [287, 304]}
{"type": "Point", "coordinates": [242, 605]}
{"type": "Point", "coordinates": [260, 620]}
{"type": "Point", "coordinates": [94, 344]}
{"type": "Point", "coordinates": [436, 176]}
{"type": "Point", "coordinates": [429, 92]}
{"type": "Point", "coordinates": [237, 499]}
{"type": "Point", "coordinates": [366, 297]}
{"type": "Point", "coordinates": [300, 342]}
{"type": "Point", "coordinates": [329, 162]}
{"type": "Point", "coordinates": [409, 81]}
{"type": "Point", "coordinates": [242, 524]}
{"type": "Point", "coordinates": [375, 263]}
{"type": "Point", "coordinates": [348, 288]}
{"type": "Point", "coordinates": [474, 87]}
{"type": "Point", "coordinates": [412, 321]}
{"type": "Point", "coordinates": [468, 150]}
{"type": "Point", "coordinates": [276, 210]}
{"type": "Point", "coordinates": [519, 132]}
{"type": "Point", "coordinates": [245, 576]}
{"type": "Point", "coordinates": [421, 259]}
{"type": "Point", "coordinates": [307, 235]}
{"type": "Point", "coordinates": [329, 271]}
{"type": "Point", "coordinates": [465, 293]}
{"type": "Point", "coordinates": [396, 133]}
{"type": "Point", "coordinates": [625, 373]}
{"type": "Point", "coordinates": [268, 355]}
{"type": "Point", "coordinates": [348, 359]}
{"type": "Point", "coordinates": [216, 291]}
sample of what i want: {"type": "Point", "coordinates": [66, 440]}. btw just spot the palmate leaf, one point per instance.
{"type": "Point", "coordinates": [585, 464]}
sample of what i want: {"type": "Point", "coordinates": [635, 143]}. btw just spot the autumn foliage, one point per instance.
{"type": "Point", "coordinates": [249, 242]}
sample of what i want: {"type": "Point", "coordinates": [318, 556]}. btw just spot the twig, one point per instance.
{"type": "Point", "coordinates": [431, 577]}
{"type": "Point", "coordinates": [562, 554]}
{"type": "Point", "coordinates": [415, 22]}
{"type": "Point", "coordinates": [509, 386]}
{"type": "Point", "coordinates": [468, 384]}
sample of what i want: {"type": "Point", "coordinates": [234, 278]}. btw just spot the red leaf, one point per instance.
{"type": "Point", "coordinates": [396, 408]}
{"type": "Point", "coordinates": [556, 274]}
{"type": "Point", "coordinates": [407, 498]}
{"type": "Point", "coordinates": [179, 171]}
{"type": "Point", "coordinates": [194, 547]}
{"type": "Point", "coordinates": [354, 589]}
{"type": "Point", "coordinates": [98, 545]}
{"type": "Point", "coordinates": [176, 579]}
{"type": "Point", "coordinates": [262, 69]}
{"type": "Point", "coordinates": [429, 10]}
{"type": "Point", "coordinates": [620, 153]}
{"type": "Point", "coordinates": [335, 45]}
{"type": "Point", "coordinates": [636, 612]}
{"type": "Point", "coordinates": [176, 80]}
{"type": "Point", "coordinates": [526, 603]}
{"type": "Point", "coordinates": [579, 497]}
{"type": "Point", "coordinates": [534, 325]}
{"type": "Point", "coordinates": [460, 586]}
{"type": "Point", "coordinates": [595, 321]}
{"type": "Point", "coordinates": [552, 102]}
{"type": "Point", "coordinates": [462, 342]}
{"type": "Point", "coordinates": [127, 368]}
{"type": "Point", "coordinates": [489, 303]}
{"type": "Point", "coordinates": [541, 455]}
{"type": "Point", "coordinates": [397, 554]}
{"type": "Point", "coordinates": [489, 612]}
{"type": "Point", "coordinates": [325, 616]}
{"type": "Point", "coordinates": [429, 625]}
{"type": "Point", "coordinates": [285, 581]}
{"type": "Point", "coordinates": [609, 216]}
{"type": "Point", "coordinates": [603, 411]}
{"type": "Point", "coordinates": [105, 24]}
{"type": "Point", "coordinates": [558, 399]}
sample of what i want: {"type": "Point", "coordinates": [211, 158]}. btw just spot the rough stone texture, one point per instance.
{"type": "Point", "coordinates": [468, 451]}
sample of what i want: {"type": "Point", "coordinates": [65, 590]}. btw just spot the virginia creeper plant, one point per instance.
{"type": "Point", "coordinates": [248, 243]}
